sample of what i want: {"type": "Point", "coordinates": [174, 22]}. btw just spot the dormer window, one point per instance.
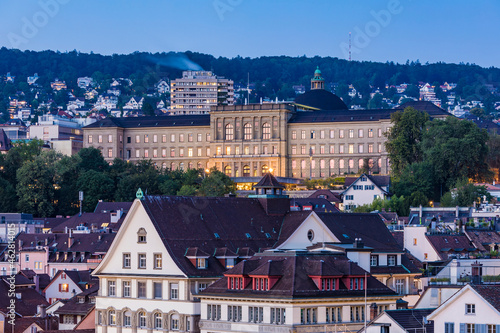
{"type": "Point", "coordinates": [229, 262]}
{"type": "Point", "coordinates": [260, 283]}
{"type": "Point", "coordinates": [356, 283]}
{"type": "Point", "coordinates": [391, 260]}
{"type": "Point", "coordinates": [328, 284]}
{"type": "Point", "coordinates": [235, 283]}
{"type": "Point", "coordinates": [141, 235]}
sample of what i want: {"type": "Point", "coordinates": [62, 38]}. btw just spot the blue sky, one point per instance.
{"type": "Point", "coordinates": [389, 30]}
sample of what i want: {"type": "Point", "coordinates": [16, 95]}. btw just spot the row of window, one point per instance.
{"type": "Point", "coordinates": [341, 134]}
{"type": "Point", "coordinates": [248, 131]}
{"type": "Point", "coordinates": [392, 260]}
{"type": "Point", "coordinates": [141, 291]}
{"type": "Point", "coordinates": [157, 320]}
{"type": "Point", "coordinates": [360, 187]}
{"type": "Point", "coordinates": [333, 315]}
{"type": "Point", "coordinates": [255, 314]}
{"type": "Point", "coordinates": [181, 137]}
{"type": "Point", "coordinates": [246, 150]}
{"type": "Point", "coordinates": [142, 260]}
{"type": "Point", "coordinates": [331, 163]}
{"type": "Point", "coordinates": [341, 149]}
{"type": "Point", "coordinates": [472, 328]}
{"type": "Point", "coordinates": [196, 152]}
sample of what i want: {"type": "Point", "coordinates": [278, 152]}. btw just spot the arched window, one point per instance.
{"type": "Point", "coordinates": [127, 319]}
{"type": "Point", "coordinates": [246, 171]}
{"type": "Point", "coordinates": [164, 165]}
{"type": "Point", "coordinates": [181, 166]}
{"type": "Point", "coordinates": [141, 235]}
{"type": "Point", "coordinates": [265, 169]}
{"type": "Point", "coordinates": [111, 317]}
{"type": "Point", "coordinates": [190, 165]}
{"type": "Point", "coordinates": [174, 322]}
{"type": "Point", "coordinates": [361, 163]}
{"type": "Point", "coordinates": [247, 129]}
{"type": "Point", "coordinates": [141, 319]}
{"type": "Point", "coordinates": [172, 166]}
{"type": "Point", "coordinates": [157, 319]}
{"type": "Point", "coordinates": [229, 133]}
{"type": "Point", "coordinates": [199, 165]}
{"type": "Point", "coordinates": [266, 131]}
{"type": "Point", "coordinates": [227, 170]}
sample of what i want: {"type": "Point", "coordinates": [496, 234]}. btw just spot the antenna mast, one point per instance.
{"type": "Point", "coordinates": [349, 46]}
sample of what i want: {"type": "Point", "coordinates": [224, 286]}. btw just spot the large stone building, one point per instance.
{"type": "Point", "coordinates": [197, 91]}
{"type": "Point", "coordinates": [315, 137]}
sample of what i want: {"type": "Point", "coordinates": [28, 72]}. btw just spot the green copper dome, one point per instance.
{"type": "Point", "coordinates": [317, 71]}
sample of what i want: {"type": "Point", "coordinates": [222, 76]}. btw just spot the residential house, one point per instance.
{"type": "Point", "coordinates": [77, 308]}
{"type": "Point", "coordinates": [283, 291]}
{"type": "Point", "coordinates": [50, 253]}
{"type": "Point", "coordinates": [66, 284]}
{"type": "Point", "coordinates": [485, 241]}
{"type": "Point", "coordinates": [32, 79]}
{"type": "Point", "coordinates": [401, 321]}
{"type": "Point", "coordinates": [163, 86]}
{"type": "Point", "coordinates": [364, 189]}
{"type": "Point", "coordinates": [58, 85]}
{"type": "Point", "coordinates": [434, 246]}
{"type": "Point", "coordinates": [475, 308]}
{"type": "Point", "coordinates": [84, 82]}
{"type": "Point", "coordinates": [134, 103]}
{"type": "Point", "coordinates": [333, 197]}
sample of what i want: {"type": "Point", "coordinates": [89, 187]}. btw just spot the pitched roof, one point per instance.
{"type": "Point", "coordinates": [490, 293]}
{"type": "Point", "coordinates": [449, 243]}
{"type": "Point", "coordinates": [318, 204]}
{"type": "Point", "coordinates": [411, 319]}
{"type": "Point", "coordinates": [369, 227]}
{"type": "Point", "coordinates": [380, 181]}
{"type": "Point", "coordinates": [26, 303]}
{"type": "Point", "coordinates": [482, 238]}
{"type": "Point", "coordinates": [320, 99]}
{"type": "Point", "coordinates": [268, 181]}
{"type": "Point", "coordinates": [73, 306]}
{"type": "Point", "coordinates": [432, 109]}
{"type": "Point", "coordinates": [106, 207]}
{"type": "Point", "coordinates": [293, 270]}
{"type": "Point", "coordinates": [327, 194]}
{"type": "Point", "coordinates": [206, 224]}
{"type": "Point", "coordinates": [161, 121]}
{"type": "Point", "coordinates": [89, 220]}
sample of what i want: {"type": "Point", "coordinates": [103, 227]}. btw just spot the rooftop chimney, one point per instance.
{"type": "Point", "coordinates": [41, 311]}
{"type": "Point", "coordinates": [70, 239]}
{"type": "Point", "coordinates": [373, 311]}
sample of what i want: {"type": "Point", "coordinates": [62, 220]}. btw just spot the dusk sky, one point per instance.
{"type": "Point", "coordinates": [390, 30]}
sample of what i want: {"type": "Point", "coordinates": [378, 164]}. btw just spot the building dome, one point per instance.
{"type": "Point", "coordinates": [320, 99]}
{"type": "Point", "coordinates": [317, 71]}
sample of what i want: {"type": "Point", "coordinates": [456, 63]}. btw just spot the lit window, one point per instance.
{"type": "Point", "coordinates": [266, 131]}
{"type": "Point", "coordinates": [112, 317]}
{"type": "Point", "coordinates": [201, 263]}
{"type": "Point", "coordinates": [157, 261]}
{"type": "Point", "coordinates": [229, 132]}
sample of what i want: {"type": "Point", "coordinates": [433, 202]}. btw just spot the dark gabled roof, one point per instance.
{"type": "Point", "coordinates": [318, 204]}
{"type": "Point", "coordinates": [83, 279]}
{"type": "Point", "coordinates": [380, 181]}
{"type": "Point", "coordinates": [74, 307]}
{"type": "Point", "coordinates": [51, 222]}
{"type": "Point", "coordinates": [97, 220]}
{"type": "Point", "coordinates": [207, 224]}
{"type": "Point", "coordinates": [293, 270]}
{"type": "Point", "coordinates": [5, 143]}
{"type": "Point", "coordinates": [411, 319]}
{"type": "Point", "coordinates": [320, 99]}
{"type": "Point", "coordinates": [490, 293]}
{"type": "Point", "coordinates": [369, 227]}
{"type": "Point", "coordinates": [106, 207]}
{"type": "Point", "coordinates": [149, 122]}
{"type": "Point", "coordinates": [224, 252]}
{"type": "Point", "coordinates": [481, 238]}
{"type": "Point", "coordinates": [268, 181]}
{"type": "Point", "coordinates": [86, 244]}
{"type": "Point", "coordinates": [399, 236]}
{"type": "Point", "coordinates": [327, 194]}
{"type": "Point", "coordinates": [446, 243]}
{"type": "Point", "coordinates": [432, 109]}
{"type": "Point", "coordinates": [26, 305]}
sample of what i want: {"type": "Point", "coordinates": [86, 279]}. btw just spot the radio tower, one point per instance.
{"type": "Point", "coordinates": [349, 46]}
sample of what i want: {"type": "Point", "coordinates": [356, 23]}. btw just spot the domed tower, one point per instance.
{"type": "Point", "coordinates": [317, 82]}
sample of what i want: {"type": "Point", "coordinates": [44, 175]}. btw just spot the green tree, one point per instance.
{"type": "Point", "coordinates": [457, 149]}
{"type": "Point", "coordinates": [67, 176]}
{"type": "Point", "coordinates": [8, 197]}
{"type": "Point", "coordinates": [36, 185]}
{"type": "Point", "coordinates": [91, 159]}
{"type": "Point", "coordinates": [415, 177]}
{"type": "Point", "coordinates": [216, 184]}
{"type": "Point", "coordinates": [187, 190]}
{"type": "Point", "coordinates": [466, 193]}
{"type": "Point", "coordinates": [404, 137]}
{"type": "Point", "coordinates": [95, 186]}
